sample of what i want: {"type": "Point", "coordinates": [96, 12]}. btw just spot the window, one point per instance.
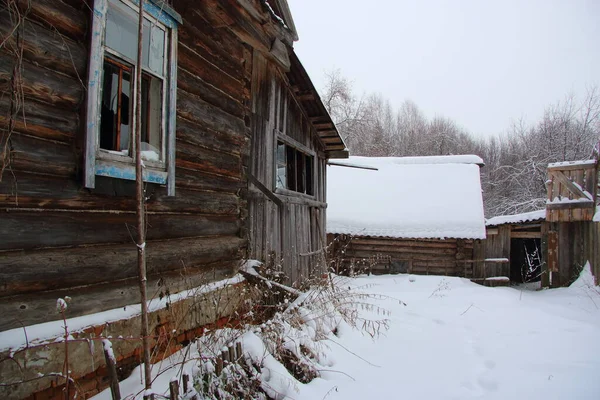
{"type": "Point", "coordinates": [112, 92]}
{"type": "Point", "coordinates": [294, 169]}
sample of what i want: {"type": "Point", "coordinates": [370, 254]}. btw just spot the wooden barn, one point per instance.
{"type": "Point", "coordinates": [234, 139]}
{"type": "Point", "coordinates": [550, 245]}
{"type": "Point", "coordinates": [418, 215]}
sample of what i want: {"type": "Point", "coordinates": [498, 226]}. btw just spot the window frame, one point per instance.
{"type": "Point", "coordinates": [102, 162]}
{"type": "Point", "coordinates": [297, 147]}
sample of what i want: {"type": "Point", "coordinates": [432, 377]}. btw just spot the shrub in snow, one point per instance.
{"type": "Point", "coordinates": [287, 350]}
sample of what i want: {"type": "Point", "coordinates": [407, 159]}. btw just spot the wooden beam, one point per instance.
{"type": "Point", "coordinates": [323, 125]}
{"type": "Point", "coordinates": [328, 133]}
{"type": "Point", "coordinates": [306, 95]}
{"type": "Point", "coordinates": [570, 205]}
{"type": "Point", "coordinates": [525, 235]}
{"type": "Point", "coordinates": [562, 178]}
{"type": "Point", "coordinates": [572, 167]}
{"type": "Point", "coordinates": [337, 154]}
{"type": "Point", "coordinates": [265, 190]}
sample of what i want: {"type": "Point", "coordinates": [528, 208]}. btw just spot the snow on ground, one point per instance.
{"type": "Point", "coordinates": [458, 340]}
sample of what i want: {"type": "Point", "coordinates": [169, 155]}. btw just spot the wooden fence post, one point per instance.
{"type": "Point", "coordinates": [112, 369]}
{"type": "Point", "coordinates": [174, 390]}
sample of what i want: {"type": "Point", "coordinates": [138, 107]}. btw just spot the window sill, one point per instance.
{"type": "Point", "coordinates": [119, 170]}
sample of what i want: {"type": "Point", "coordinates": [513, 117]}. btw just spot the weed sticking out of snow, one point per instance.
{"type": "Point", "coordinates": [271, 360]}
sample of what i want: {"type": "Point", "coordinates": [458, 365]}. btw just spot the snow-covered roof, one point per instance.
{"type": "Point", "coordinates": [407, 197]}
{"type": "Point", "coordinates": [516, 218]}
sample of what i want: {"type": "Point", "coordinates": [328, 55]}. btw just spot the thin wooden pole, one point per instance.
{"type": "Point", "coordinates": [140, 209]}
{"type": "Point", "coordinates": [112, 370]}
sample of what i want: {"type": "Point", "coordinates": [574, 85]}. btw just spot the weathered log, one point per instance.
{"type": "Point", "coordinates": [243, 25]}
{"type": "Point", "coordinates": [197, 110]}
{"type": "Point", "coordinates": [450, 243]}
{"type": "Point", "coordinates": [28, 230]}
{"type": "Point", "coordinates": [29, 271]}
{"type": "Point", "coordinates": [401, 256]}
{"type": "Point", "coordinates": [423, 249]}
{"type": "Point", "coordinates": [196, 86]}
{"type": "Point", "coordinates": [198, 158]}
{"type": "Point", "coordinates": [195, 201]}
{"type": "Point", "coordinates": [199, 180]}
{"type": "Point", "coordinates": [46, 47]}
{"type": "Point", "coordinates": [55, 14]}
{"type": "Point", "coordinates": [31, 190]}
{"type": "Point", "coordinates": [34, 308]}
{"type": "Point", "coordinates": [199, 135]}
{"type": "Point", "coordinates": [42, 120]}
{"type": "Point", "coordinates": [43, 156]}
{"type": "Point", "coordinates": [42, 84]}
{"type": "Point", "coordinates": [210, 73]}
{"type": "Point", "coordinates": [217, 45]}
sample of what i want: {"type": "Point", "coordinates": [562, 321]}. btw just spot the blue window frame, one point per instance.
{"type": "Point", "coordinates": [111, 92]}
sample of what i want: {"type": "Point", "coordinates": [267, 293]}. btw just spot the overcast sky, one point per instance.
{"type": "Point", "coordinates": [482, 63]}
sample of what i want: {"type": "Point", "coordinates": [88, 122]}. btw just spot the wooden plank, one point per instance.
{"type": "Point", "coordinates": [270, 195]}
{"type": "Point", "coordinates": [568, 206]}
{"type": "Point", "coordinates": [94, 89]}
{"type": "Point", "coordinates": [568, 184]}
{"type": "Point", "coordinates": [525, 235]}
{"type": "Point", "coordinates": [571, 167]}
{"type": "Point", "coordinates": [32, 271]}
{"type": "Point", "coordinates": [553, 251]}
{"type": "Point", "coordinates": [433, 243]}
{"type": "Point", "coordinates": [172, 115]}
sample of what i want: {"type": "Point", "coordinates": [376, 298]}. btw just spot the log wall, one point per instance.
{"type": "Point", "coordinates": [450, 257]}
{"type": "Point", "coordinates": [58, 238]}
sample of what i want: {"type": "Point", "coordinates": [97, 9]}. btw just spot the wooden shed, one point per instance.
{"type": "Point", "coordinates": [573, 217]}
{"type": "Point", "coordinates": [235, 143]}
{"type": "Point", "coordinates": [513, 248]}
{"type": "Point", "coordinates": [550, 245]}
{"type": "Point", "coordinates": [417, 215]}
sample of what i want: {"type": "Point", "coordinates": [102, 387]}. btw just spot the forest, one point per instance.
{"type": "Point", "coordinates": [514, 175]}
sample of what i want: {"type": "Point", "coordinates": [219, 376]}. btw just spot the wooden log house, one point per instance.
{"type": "Point", "coordinates": [235, 142]}
{"type": "Point", "coordinates": [418, 215]}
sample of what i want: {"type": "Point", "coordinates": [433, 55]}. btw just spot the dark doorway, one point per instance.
{"type": "Point", "coordinates": [525, 260]}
